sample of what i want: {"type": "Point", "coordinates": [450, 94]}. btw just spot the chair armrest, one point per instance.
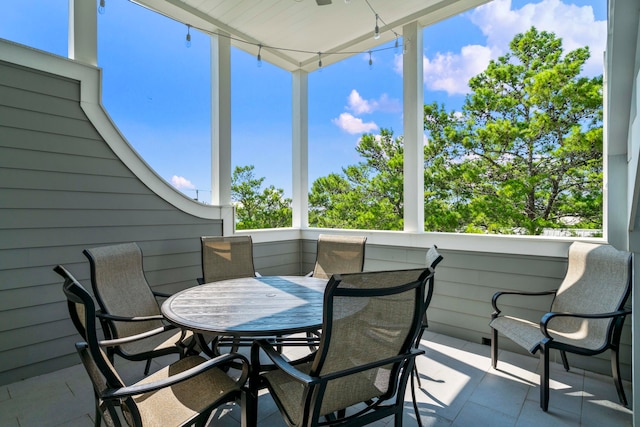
{"type": "Point", "coordinates": [494, 300]}
{"type": "Point", "coordinates": [131, 338]}
{"type": "Point", "coordinates": [412, 354]}
{"type": "Point", "coordinates": [278, 360]}
{"type": "Point", "coordinates": [115, 318]}
{"type": "Point", "coordinates": [544, 322]}
{"type": "Point", "coordinates": [160, 294]}
{"type": "Point", "coordinates": [309, 274]}
{"type": "Point", "coordinates": [286, 366]}
{"type": "Point", "coordinates": [225, 359]}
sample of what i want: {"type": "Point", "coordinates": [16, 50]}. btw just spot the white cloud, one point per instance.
{"type": "Point", "coordinates": [181, 183]}
{"type": "Point", "coordinates": [451, 72]}
{"type": "Point", "coordinates": [359, 105]}
{"type": "Point", "coordinates": [576, 25]}
{"type": "Point", "coordinates": [353, 125]}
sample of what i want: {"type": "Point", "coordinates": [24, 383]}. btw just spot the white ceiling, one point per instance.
{"type": "Point", "coordinates": [293, 31]}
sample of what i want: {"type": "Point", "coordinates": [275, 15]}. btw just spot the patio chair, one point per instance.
{"type": "Point", "coordinates": [226, 257]}
{"type": "Point", "coordinates": [183, 393]}
{"type": "Point", "coordinates": [586, 315]}
{"type": "Point", "coordinates": [338, 254]}
{"type": "Point", "coordinates": [128, 306]}
{"type": "Point", "coordinates": [365, 355]}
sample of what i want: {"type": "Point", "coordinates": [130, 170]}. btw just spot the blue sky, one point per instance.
{"type": "Point", "coordinates": [157, 90]}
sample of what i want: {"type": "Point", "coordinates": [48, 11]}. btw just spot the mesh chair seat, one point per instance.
{"type": "Point", "coordinates": [527, 334]}
{"type": "Point", "coordinates": [164, 341]}
{"type": "Point", "coordinates": [186, 400]}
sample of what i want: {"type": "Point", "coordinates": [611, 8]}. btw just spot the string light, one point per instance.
{"type": "Point", "coordinates": [101, 7]}
{"type": "Point", "coordinates": [188, 39]}
{"type": "Point", "coordinates": [376, 31]}
{"type": "Point", "coordinates": [370, 61]}
{"type": "Point", "coordinates": [284, 49]}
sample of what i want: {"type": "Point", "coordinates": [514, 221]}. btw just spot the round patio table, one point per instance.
{"type": "Point", "coordinates": [249, 306]}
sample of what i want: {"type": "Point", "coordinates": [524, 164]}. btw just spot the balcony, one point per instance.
{"type": "Point", "coordinates": [458, 389]}
{"type": "Point", "coordinates": [70, 182]}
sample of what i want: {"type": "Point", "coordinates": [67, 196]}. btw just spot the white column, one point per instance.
{"type": "Point", "coordinates": [300, 149]}
{"type": "Point", "coordinates": [83, 31]}
{"type": "Point", "coordinates": [220, 120]}
{"type": "Point", "coordinates": [413, 93]}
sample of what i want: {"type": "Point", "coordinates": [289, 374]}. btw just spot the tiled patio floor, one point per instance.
{"type": "Point", "coordinates": [458, 389]}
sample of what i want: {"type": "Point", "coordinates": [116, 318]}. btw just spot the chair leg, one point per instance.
{"type": "Point", "coordinates": [415, 374]}
{"type": "Point", "coordinates": [494, 348]}
{"type": "Point", "coordinates": [413, 395]}
{"type": "Point", "coordinates": [98, 416]}
{"type": "Point", "coordinates": [544, 379]}
{"type": "Point", "coordinates": [615, 371]}
{"type": "Point", "coordinates": [565, 362]}
{"type": "Point", "coordinates": [147, 367]}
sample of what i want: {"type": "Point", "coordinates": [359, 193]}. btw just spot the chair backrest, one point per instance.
{"type": "Point", "coordinates": [598, 280]}
{"type": "Point", "coordinates": [368, 318]}
{"type": "Point", "coordinates": [227, 257]}
{"type": "Point", "coordinates": [339, 254]}
{"type": "Point", "coordinates": [83, 314]}
{"type": "Point", "coordinates": [433, 259]}
{"type": "Point", "coordinates": [120, 287]}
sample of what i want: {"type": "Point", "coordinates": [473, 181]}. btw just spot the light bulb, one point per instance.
{"type": "Point", "coordinates": [370, 61]}
{"type": "Point", "coordinates": [101, 7]}
{"type": "Point", "coordinates": [259, 56]}
{"type": "Point", "coordinates": [320, 60]}
{"type": "Point", "coordinates": [376, 31]}
{"type": "Point", "coordinates": [187, 42]}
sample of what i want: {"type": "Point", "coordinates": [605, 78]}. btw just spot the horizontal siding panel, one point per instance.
{"type": "Point", "coordinates": [40, 103]}
{"type": "Point", "coordinates": [39, 333]}
{"type": "Point", "coordinates": [76, 168]}
{"type": "Point", "coordinates": [63, 218]}
{"type": "Point", "coordinates": [55, 200]}
{"type": "Point", "coordinates": [30, 316]}
{"type": "Point", "coordinates": [36, 81]}
{"type": "Point", "coordinates": [16, 298]}
{"type": "Point", "coordinates": [504, 263]}
{"type": "Point", "coordinates": [375, 253]}
{"type": "Point", "coordinates": [43, 141]}
{"type": "Point", "coordinates": [27, 238]}
{"type": "Point", "coordinates": [38, 352]}
{"type": "Point", "coordinates": [41, 122]}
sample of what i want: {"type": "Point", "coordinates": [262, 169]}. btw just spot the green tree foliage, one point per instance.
{"type": "Point", "coordinates": [526, 151]}
{"type": "Point", "coordinates": [365, 196]}
{"type": "Point", "coordinates": [256, 208]}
